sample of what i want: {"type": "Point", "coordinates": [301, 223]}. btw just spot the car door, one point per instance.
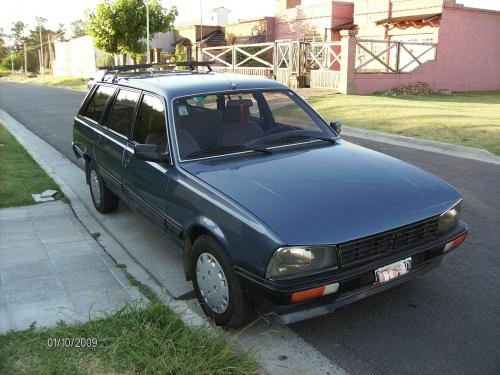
{"type": "Point", "coordinates": [111, 143]}
{"type": "Point", "coordinates": [145, 182]}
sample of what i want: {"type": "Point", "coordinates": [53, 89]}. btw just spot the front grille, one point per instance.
{"type": "Point", "coordinates": [386, 243]}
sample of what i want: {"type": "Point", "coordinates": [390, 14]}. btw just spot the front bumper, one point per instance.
{"type": "Point", "coordinates": [273, 298]}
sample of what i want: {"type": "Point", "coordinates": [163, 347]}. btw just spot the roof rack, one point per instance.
{"type": "Point", "coordinates": [114, 71]}
{"type": "Point", "coordinates": [194, 64]}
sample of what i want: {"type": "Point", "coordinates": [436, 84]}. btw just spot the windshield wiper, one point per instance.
{"type": "Point", "coordinates": [225, 149]}
{"type": "Point", "coordinates": [293, 137]}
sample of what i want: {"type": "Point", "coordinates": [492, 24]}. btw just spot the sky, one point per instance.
{"type": "Point", "coordinates": [66, 11]}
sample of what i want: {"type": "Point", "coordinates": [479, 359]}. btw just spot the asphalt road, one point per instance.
{"type": "Point", "coordinates": [447, 322]}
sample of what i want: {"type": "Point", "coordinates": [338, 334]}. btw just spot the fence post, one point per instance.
{"type": "Point", "coordinates": [233, 57]}
{"type": "Point", "coordinates": [398, 50]}
{"type": "Point", "coordinates": [347, 62]}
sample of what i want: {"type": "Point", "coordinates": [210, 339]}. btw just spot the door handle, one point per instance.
{"type": "Point", "coordinates": [98, 138]}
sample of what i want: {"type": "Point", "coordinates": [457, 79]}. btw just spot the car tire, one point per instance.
{"type": "Point", "coordinates": [217, 286]}
{"type": "Point", "coordinates": [104, 199]}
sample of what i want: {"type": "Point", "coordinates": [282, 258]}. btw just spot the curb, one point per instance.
{"type": "Point", "coordinates": [423, 145]}
{"type": "Point", "coordinates": [280, 350]}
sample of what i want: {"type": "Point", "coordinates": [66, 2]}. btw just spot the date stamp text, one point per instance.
{"type": "Point", "coordinates": [72, 342]}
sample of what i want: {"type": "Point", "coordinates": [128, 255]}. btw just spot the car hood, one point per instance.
{"type": "Point", "coordinates": [327, 195]}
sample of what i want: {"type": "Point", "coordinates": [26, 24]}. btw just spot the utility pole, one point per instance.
{"type": "Point", "coordinates": [25, 59]}
{"type": "Point", "coordinates": [41, 20]}
{"type": "Point", "coordinates": [51, 61]}
{"type": "Point", "coordinates": [148, 49]}
{"type": "Point", "coordinates": [42, 62]}
{"type": "Point", "coordinates": [201, 33]}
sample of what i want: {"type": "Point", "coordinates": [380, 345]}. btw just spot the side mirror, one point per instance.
{"type": "Point", "coordinates": [336, 125]}
{"type": "Point", "coordinates": [150, 152]}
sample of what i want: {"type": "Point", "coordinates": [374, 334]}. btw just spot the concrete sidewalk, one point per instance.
{"type": "Point", "coordinates": [52, 269]}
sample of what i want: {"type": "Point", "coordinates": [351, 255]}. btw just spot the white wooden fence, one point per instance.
{"type": "Point", "coordinates": [379, 56]}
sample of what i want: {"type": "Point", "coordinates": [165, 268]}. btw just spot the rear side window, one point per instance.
{"type": "Point", "coordinates": [121, 115]}
{"type": "Point", "coordinates": [97, 103]}
{"type": "Point", "coordinates": [150, 126]}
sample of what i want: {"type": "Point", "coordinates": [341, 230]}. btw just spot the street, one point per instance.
{"type": "Point", "coordinates": [447, 322]}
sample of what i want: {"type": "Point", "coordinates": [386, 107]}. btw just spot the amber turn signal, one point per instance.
{"type": "Point", "coordinates": [456, 242]}
{"type": "Point", "coordinates": [315, 292]}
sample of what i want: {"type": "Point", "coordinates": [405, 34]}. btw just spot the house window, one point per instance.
{"type": "Point", "coordinates": [292, 3]}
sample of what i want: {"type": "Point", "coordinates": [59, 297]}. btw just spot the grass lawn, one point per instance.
{"type": "Point", "coordinates": [152, 340]}
{"type": "Point", "coordinates": [20, 175]}
{"type": "Point", "coordinates": [71, 82]}
{"type": "Point", "coordinates": [469, 119]}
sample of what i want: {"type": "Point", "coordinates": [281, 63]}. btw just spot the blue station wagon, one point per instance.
{"type": "Point", "coordinates": [273, 211]}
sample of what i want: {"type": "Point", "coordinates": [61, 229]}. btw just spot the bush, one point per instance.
{"type": "Point", "coordinates": [107, 59]}
{"type": "Point", "coordinates": [12, 61]}
{"type": "Point", "coordinates": [18, 60]}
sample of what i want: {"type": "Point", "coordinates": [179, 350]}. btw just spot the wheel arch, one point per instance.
{"type": "Point", "coordinates": [201, 226]}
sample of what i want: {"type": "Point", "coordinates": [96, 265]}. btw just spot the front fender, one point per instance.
{"type": "Point", "coordinates": [195, 227]}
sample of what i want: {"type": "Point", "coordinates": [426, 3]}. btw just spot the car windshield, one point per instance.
{"type": "Point", "coordinates": [249, 121]}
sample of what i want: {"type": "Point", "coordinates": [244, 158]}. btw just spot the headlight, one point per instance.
{"type": "Point", "coordinates": [450, 218]}
{"type": "Point", "coordinates": [293, 261]}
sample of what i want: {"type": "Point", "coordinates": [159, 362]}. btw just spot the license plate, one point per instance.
{"type": "Point", "coordinates": [393, 270]}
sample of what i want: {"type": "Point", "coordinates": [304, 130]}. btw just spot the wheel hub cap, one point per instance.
{"type": "Point", "coordinates": [212, 283]}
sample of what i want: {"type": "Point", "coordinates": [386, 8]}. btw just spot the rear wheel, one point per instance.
{"type": "Point", "coordinates": [217, 287]}
{"type": "Point", "coordinates": [104, 199]}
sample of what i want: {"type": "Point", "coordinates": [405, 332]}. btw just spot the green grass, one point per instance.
{"type": "Point", "coordinates": [20, 175]}
{"type": "Point", "coordinates": [469, 119]}
{"type": "Point", "coordinates": [71, 82]}
{"type": "Point", "coordinates": [148, 340]}
{"type": "Point", "coordinates": [152, 340]}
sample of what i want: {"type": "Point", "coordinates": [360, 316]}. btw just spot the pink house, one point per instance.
{"type": "Point", "coordinates": [467, 56]}
{"type": "Point", "coordinates": [312, 20]}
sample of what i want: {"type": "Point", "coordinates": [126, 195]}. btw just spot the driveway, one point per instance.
{"type": "Point", "coordinates": [445, 322]}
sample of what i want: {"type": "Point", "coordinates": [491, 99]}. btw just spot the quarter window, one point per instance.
{"type": "Point", "coordinates": [97, 103]}
{"type": "Point", "coordinates": [120, 119]}
{"type": "Point", "coordinates": [151, 127]}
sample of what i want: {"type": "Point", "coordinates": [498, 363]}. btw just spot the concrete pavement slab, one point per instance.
{"type": "Point", "coordinates": [27, 270]}
{"type": "Point", "coordinates": [16, 214]}
{"type": "Point", "coordinates": [34, 289]}
{"type": "Point", "coordinates": [57, 271]}
{"type": "Point", "coordinates": [71, 249]}
{"type": "Point", "coordinates": [16, 227]}
{"type": "Point", "coordinates": [19, 240]}
{"type": "Point", "coordinates": [44, 313]}
{"type": "Point", "coordinates": [20, 254]}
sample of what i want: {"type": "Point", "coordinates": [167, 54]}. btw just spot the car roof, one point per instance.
{"type": "Point", "coordinates": [177, 84]}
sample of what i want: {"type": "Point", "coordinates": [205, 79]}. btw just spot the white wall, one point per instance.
{"type": "Point", "coordinates": [76, 57]}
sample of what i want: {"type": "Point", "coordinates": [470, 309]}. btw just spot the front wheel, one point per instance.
{"type": "Point", "coordinates": [216, 285]}
{"type": "Point", "coordinates": [103, 198]}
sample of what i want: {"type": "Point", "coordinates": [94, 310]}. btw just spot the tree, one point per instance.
{"type": "Point", "coordinates": [12, 62]}
{"type": "Point", "coordinates": [77, 28]}
{"type": "Point", "coordinates": [3, 48]}
{"type": "Point", "coordinates": [120, 27]}
{"type": "Point", "coordinates": [60, 33]}
{"type": "Point", "coordinates": [231, 38]}
{"type": "Point", "coordinates": [17, 35]}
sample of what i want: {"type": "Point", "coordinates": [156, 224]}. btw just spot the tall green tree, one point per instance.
{"type": "Point", "coordinates": [3, 48]}
{"type": "Point", "coordinates": [17, 35]}
{"type": "Point", "coordinates": [120, 27]}
{"type": "Point", "coordinates": [77, 28]}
